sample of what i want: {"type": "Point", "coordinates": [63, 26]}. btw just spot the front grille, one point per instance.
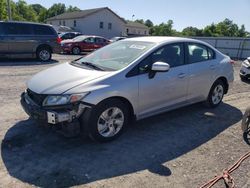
{"type": "Point", "coordinates": [37, 98]}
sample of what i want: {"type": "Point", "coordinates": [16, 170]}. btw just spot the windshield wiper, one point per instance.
{"type": "Point", "coordinates": [92, 65]}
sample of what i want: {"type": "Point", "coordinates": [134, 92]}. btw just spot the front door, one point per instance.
{"type": "Point", "coordinates": [166, 89]}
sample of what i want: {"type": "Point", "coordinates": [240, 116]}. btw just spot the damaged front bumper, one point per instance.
{"type": "Point", "coordinates": [52, 115]}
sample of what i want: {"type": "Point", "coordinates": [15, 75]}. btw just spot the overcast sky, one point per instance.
{"type": "Point", "coordinates": [198, 13]}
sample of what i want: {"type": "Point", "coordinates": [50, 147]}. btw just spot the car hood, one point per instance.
{"type": "Point", "coordinates": [61, 78]}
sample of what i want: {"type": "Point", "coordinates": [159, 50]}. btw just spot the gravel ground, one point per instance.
{"type": "Point", "coordinates": [181, 148]}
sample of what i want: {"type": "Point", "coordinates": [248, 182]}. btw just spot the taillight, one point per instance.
{"type": "Point", "coordinates": [59, 40]}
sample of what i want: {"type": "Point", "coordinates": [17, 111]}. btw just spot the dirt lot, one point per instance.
{"type": "Point", "coordinates": [182, 148]}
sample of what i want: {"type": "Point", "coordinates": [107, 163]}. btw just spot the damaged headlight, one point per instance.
{"type": "Point", "coordinates": [55, 100]}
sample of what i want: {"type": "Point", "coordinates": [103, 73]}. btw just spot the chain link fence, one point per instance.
{"type": "Point", "coordinates": [236, 48]}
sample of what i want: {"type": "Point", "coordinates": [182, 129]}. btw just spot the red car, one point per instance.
{"type": "Point", "coordinates": [83, 43]}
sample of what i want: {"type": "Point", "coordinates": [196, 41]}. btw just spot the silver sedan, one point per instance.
{"type": "Point", "coordinates": [126, 80]}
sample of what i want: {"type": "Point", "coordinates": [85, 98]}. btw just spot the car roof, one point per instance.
{"type": "Point", "coordinates": [156, 39]}
{"type": "Point", "coordinates": [25, 22]}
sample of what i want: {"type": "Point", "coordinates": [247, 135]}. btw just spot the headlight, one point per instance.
{"type": "Point", "coordinates": [54, 100]}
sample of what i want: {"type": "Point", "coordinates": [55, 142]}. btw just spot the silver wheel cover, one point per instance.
{"type": "Point", "coordinates": [110, 122]}
{"type": "Point", "coordinates": [217, 94]}
{"type": "Point", "coordinates": [44, 55]}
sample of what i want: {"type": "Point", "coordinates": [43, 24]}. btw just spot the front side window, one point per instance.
{"type": "Point", "coordinates": [117, 55]}
{"type": "Point", "coordinates": [197, 53]}
{"type": "Point", "coordinates": [173, 54]}
{"type": "Point", "coordinates": [101, 25]}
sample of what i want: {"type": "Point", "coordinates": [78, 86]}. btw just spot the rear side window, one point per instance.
{"type": "Point", "coordinates": [197, 53]}
{"type": "Point", "coordinates": [17, 29]}
{"type": "Point", "coordinates": [43, 30]}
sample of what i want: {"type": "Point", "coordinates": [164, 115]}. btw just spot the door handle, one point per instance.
{"type": "Point", "coordinates": [212, 67]}
{"type": "Point", "coordinates": [181, 75]}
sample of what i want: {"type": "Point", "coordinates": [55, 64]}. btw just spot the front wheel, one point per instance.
{"type": "Point", "coordinates": [216, 94]}
{"type": "Point", "coordinates": [108, 120]}
{"type": "Point", "coordinates": [245, 125]}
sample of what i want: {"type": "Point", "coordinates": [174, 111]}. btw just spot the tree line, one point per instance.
{"type": "Point", "coordinates": [225, 28]}
{"type": "Point", "coordinates": [21, 11]}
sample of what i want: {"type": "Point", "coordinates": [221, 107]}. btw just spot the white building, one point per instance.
{"type": "Point", "coordinates": [100, 21]}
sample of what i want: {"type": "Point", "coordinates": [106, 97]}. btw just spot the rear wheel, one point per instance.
{"type": "Point", "coordinates": [76, 50]}
{"type": "Point", "coordinates": [43, 54]}
{"type": "Point", "coordinates": [107, 120]}
{"type": "Point", "coordinates": [245, 125]}
{"type": "Point", "coordinates": [216, 94]}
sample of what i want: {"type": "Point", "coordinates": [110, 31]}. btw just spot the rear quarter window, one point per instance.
{"type": "Point", "coordinates": [43, 30]}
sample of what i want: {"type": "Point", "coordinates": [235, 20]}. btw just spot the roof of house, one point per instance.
{"type": "Point", "coordinates": [136, 24]}
{"type": "Point", "coordinates": [82, 14]}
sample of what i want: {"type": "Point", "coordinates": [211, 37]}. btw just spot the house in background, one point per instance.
{"type": "Point", "coordinates": [100, 21]}
{"type": "Point", "coordinates": [136, 29]}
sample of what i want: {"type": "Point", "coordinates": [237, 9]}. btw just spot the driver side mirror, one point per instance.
{"type": "Point", "coordinates": [158, 67]}
{"type": "Point", "coordinates": [248, 59]}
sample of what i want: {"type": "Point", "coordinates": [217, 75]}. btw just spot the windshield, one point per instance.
{"type": "Point", "coordinates": [79, 38]}
{"type": "Point", "coordinates": [117, 55]}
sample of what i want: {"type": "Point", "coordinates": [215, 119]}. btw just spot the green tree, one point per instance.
{"type": "Point", "coordinates": [56, 9]}
{"type": "Point", "coordinates": [140, 21]}
{"type": "Point", "coordinates": [191, 31]}
{"type": "Point", "coordinates": [72, 9]}
{"type": "Point", "coordinates": [164, 29]}
{"type": "Point", "coordinates": [149, 23]}
{"type": "Point", "coordinates": [25, 12]}
{"type": "Point", "coordinates": [3, 10]}
{"type": "Point", "coordinates": [210, 31]}
{"type": "Point", "coordinates": [37, 8]}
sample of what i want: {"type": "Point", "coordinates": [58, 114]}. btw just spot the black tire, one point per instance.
{"type": "Point", "coordinates": [243, 78]}
{"type": "Point", "coordinates": [245, 124]}
{"type": "Point", "coordinates": [76, 50]}
{"type": "Point", "coordinates": [44, 54]}
{"type": "Point", "coordinates": [91, 126]}
{"type": "Point", "coordinates": [210, 102]}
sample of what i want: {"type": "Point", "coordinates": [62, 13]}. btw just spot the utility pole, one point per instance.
{"type": "Point", "coordinates": [9, 10]}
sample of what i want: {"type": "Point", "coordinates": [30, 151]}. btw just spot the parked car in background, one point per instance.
{"type": "Point", "coordinates": [245, 70]}
{"type": "Point", "coordinates": [114, 39]}
{"type": "Point", "coordinates": [83, 43]}
{"type": "Point", "coordinates": [24, 39]}
{"type": "Point", "coordinates": [131, 78]}
{"type": "Point", "coordinates": [69, 35]}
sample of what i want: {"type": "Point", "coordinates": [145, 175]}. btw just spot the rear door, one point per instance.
{"type": "Point", "coordinates": [202, 67]}
{"type": "Point", "coordinates": [4, 45]}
